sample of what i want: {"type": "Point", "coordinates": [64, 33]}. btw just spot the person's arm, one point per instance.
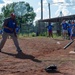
{"type": "Point", "coordinates": [61, 23]}
{"type": "Point", "coordinates": [7, 28]}
{"type": "Point", "coordinates": [52, 26]}
{"type": "Point", "coordinates": [47, 26]}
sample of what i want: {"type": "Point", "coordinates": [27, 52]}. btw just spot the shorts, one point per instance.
{"type": "Point", "coordinates": [50, 31]}
{"type": "Point", "coordinates": [65, 31]}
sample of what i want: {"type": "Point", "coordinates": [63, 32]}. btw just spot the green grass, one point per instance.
{"type": "Point", "coordinates": [34, 35]}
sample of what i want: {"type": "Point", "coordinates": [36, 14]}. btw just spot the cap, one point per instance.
{"type": "Point", "coordinates": [12, 14]}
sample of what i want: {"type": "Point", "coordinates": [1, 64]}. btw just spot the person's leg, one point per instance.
{"type": "Point", "coordinates": [73, 37]}
{"type": "Point", "coordinates": [4, 38]}
{"type": "Point", "coordinates": [64, 34]}
{"type": "Point", "coordinates": [16, 42]}
{"type": "Point", "coordinates": [51, 34]}
{"type": "Point", "coordinates": [68, 35]}
{"type": "Point", "coordinates": [48, 33]}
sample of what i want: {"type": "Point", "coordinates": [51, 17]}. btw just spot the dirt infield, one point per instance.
{"type": "Point", "coordinates": [38, 53]}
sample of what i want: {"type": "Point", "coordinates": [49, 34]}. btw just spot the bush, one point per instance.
{"type": "Point", "coordinates": [33, 34]}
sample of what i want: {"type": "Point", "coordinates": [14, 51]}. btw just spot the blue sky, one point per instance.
{"type": "Point", "coordinates": [67, 7]}
{"type": "Point", "coordinates": [1, 1]}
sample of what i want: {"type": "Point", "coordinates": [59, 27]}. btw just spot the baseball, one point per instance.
{"type": "Point", "coordinates": [58, 42]}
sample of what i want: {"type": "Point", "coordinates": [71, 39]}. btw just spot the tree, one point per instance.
{"type": "Point", "coordinates": [16, 7]}
{"type": "Point", "coordinates": [24, 12]}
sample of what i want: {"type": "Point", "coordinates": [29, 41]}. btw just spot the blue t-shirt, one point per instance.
{"type": "Point", "coordinates": [64, 26]}
{"type": "Point", "coordinates": [69, 28]}
{"type": "Point", "coordinates": [11, 24]}
{"type": "Point", "coordinates": [73, 29]}
{"type": "Point", "coordinates": [49, 27]}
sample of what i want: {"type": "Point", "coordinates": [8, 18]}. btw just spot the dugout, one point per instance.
{"type": "Point", "coordinates": [56, 22]}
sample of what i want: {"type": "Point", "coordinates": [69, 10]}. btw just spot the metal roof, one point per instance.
{"type": "Point", "coordinates": [57, 19]}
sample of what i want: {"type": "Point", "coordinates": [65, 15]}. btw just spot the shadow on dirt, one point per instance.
{"type": "Point", "coordinates": [23, 56]}
{"type": "Point", "coordinates": [53, 71]}
{"type": "Point", "coordinates": [57, 72]}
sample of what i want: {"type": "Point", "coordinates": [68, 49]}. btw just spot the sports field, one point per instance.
{"type": "Point", "coordinates": [38, 53]}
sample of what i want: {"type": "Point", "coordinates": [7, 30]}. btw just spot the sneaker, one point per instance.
{"type": "Point", "coordinates": [20, 54]}
{"type": "Point", "coordinates": [20, 51]}
{"type": "Point", "coordinates": [0, 50]}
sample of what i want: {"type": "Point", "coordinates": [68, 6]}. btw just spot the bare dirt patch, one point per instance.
{"type": "Point", "coordinates": [38, 53]}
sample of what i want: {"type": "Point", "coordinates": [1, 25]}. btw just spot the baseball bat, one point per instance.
{"type": "Point", "coordinates": [68, 44]}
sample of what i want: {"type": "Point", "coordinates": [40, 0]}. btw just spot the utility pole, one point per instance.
{"type": "Point", "coordinates": [49, 10]}
{"type": "Point", "coordinates": [41, 9]}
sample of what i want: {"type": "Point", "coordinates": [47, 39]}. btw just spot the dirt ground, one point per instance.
{"type": "Point", "coordinates": [38, 53]}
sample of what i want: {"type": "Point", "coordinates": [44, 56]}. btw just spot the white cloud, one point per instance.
{"type": "Point", "coordinates": [37, 10]}
{"type": "Point", "coordinates": [57, 13]}
{"type": "Point", "coordinates": [56, 1]}
{"type": "Point", "coordinates": [64, 10]}
{"type": "Point", "coordinates": [61, 7]}
{"type": "Point", "coordinates": [7, 1]}
{"type": "Point", "coordinates": [37, 18]}
{"type": "Point", "coordinates": [45, 2]}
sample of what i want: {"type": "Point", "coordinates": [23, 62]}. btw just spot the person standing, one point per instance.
{"type": "Point", "coordinates": [73, 31]}
{"type": "Point", "coordinates": [69, 30]}
{"type": "Point", "coordinates": [9, 27]}
{"type": "Point", "coordinates": [50, 33]}
{"type": "Point", "coordinates": [64, 29]}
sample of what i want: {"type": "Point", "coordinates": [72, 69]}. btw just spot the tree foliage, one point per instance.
{"type": "Point", "coordinates": [23, 19]}
{"type": "Point", "coordinates": [28, 17]}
